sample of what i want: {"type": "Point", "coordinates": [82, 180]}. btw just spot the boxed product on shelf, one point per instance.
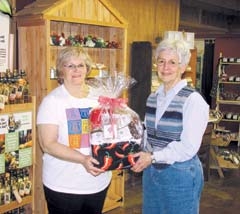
{"type": "Point", "coordinates": [221, 137]}
{"type": "Point", "coordinates": [228, 158]}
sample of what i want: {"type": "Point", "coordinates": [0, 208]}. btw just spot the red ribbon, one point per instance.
{"type": "Point", "coordinates": [112, 102]}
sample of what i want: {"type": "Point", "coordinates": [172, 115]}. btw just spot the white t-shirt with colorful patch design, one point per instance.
{"type": "Point", "coordinates": [71, 116]}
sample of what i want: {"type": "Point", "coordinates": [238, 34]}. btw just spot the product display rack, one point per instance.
{"type": "Point", "coordinates": [228, 94]}
{"type": "Point", "coordinates": [227, 130]}
{"type": "Point", "coordinates": [17, 142]}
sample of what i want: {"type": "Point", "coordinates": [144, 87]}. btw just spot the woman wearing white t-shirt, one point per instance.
{"type": "Point", "coordinates": [71, 182]}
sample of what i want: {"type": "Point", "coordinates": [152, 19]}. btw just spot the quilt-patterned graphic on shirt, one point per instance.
{"type": "Point", "coordinates": [78, 127]}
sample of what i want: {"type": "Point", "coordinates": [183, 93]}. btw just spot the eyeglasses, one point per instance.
{"type": "Point", "coordinates": [170, 63]}
{"type": "Point", "coordinates": [74, 67]}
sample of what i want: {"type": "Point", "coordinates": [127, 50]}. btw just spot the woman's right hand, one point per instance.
{"type": "Point", "coordinates": [144, 160]}
{"type": "Point", "coordinates": [89, 162]}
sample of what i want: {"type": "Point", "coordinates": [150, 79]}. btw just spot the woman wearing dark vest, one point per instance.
{"type": "Point", "coordinates": [176, 118]}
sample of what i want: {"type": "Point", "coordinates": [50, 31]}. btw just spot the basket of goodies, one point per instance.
{"type": "Point", "coordinates": [115, 129]}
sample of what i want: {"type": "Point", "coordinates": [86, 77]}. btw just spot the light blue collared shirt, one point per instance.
{"type": "Point", "coordinates": [195, 120]}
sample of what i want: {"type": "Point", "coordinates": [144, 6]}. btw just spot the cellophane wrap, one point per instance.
{"type": "Point", "coordinates": [115, 129]}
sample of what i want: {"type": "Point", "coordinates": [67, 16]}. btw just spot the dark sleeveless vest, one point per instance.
{"type": "Point", "coordinates": [169, 127]}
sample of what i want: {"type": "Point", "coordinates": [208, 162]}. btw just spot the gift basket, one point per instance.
{"type": "Point", "coordinates": [115, 129]}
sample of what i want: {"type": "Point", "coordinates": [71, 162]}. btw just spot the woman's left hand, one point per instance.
{"type": "Point", "coordinates": [144, 160]}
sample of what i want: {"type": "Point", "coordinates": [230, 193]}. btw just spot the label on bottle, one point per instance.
{"type": "Point", "coordinates": [17, 196]}
{"type": "Point", "coordinates": [28, 187]}
{"type": "Point", "coordinates": [7, 197]}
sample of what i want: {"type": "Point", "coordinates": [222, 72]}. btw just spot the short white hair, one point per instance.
{"type": "Point", "coordinates": [180, 47]}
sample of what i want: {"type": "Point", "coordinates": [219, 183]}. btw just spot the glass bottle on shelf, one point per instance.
{"type": "Point", "coordinates": [1, 193]}
{"type": "Point", "coordinates": [7, 193]}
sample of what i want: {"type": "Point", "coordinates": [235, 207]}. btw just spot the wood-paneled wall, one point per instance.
{"type": "Point", "coordinates": [147, 19]}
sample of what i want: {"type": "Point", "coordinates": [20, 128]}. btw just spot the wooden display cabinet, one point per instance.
{"type": "Point", "coordinates": [37, 22]}
{"type": "Point", "coordinates": [190, 73]}
{"type": "Point", "coordinates": [24, 115]}
{"type": "Point", "coordinates": [115, 196]}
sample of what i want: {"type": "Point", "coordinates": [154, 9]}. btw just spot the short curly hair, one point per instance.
{"type": "Point", "coordinates": [180, 47]}
{"type": "Point", "coordinates": [65, 54]}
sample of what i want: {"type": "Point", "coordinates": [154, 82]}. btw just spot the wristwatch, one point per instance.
{"type": "Point", "coordinates": [153, 158]}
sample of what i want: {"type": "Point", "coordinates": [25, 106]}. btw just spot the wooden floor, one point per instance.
{"type": "Point", "coordinates": [220, 196]}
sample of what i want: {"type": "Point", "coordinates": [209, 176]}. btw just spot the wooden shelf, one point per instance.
{"type": "Point", "coordinates": [85, 47]}
{"type": "Point", "coordinates": [225, 163]}
{"type": "Point", "coordinates": [228, 102]}
{"type": "Point", "coordinates": [229, 82]}
{"type": "Point", "coordinates": [7, 207]}
{"type": "Point", "coordinates": [227, 120]}
{"type": "Point", "coordinates": [230, 63]}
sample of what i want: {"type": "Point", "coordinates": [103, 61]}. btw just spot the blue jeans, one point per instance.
{"type": "Point", "coordinates": [173, 190]}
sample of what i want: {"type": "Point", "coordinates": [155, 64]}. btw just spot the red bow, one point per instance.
{"type": "Point", "coordinates": [112, 102]}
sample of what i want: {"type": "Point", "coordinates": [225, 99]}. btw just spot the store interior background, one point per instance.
{"type": "Point", "coordinates": [216, 25]}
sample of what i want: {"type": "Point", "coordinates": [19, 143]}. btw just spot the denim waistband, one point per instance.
{"type": "Point", "coordinates": [160, 165]}
{"type": "Point", "coordinates": [165, 165]}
